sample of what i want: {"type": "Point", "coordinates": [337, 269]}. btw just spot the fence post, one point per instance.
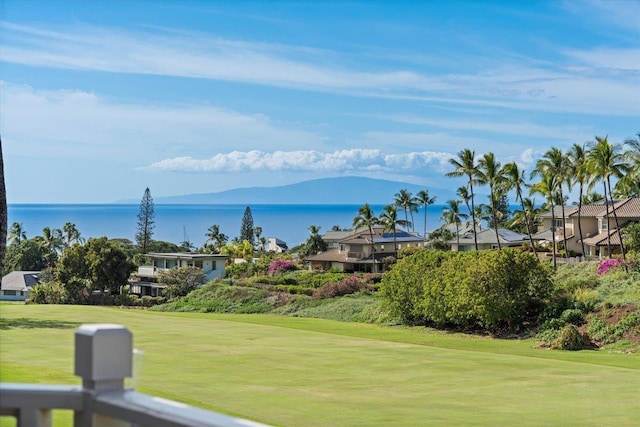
{"type": "Point", "coordinates": [103, 359]}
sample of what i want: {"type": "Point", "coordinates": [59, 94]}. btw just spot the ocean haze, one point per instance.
{"type": "Point", "coordinates": [326, 191]}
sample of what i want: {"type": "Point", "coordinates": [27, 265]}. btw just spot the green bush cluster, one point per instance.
{"type": "Point", "coordinates": [606, 333]}
{"type": "Point", "coordinates": [489, 289]}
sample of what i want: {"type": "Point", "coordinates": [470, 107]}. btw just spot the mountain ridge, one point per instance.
{"type": "Point", "coordinates": [322, 191]}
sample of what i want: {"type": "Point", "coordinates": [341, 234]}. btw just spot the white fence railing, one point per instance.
{"type": "Point", "coordinates": [103, 359]}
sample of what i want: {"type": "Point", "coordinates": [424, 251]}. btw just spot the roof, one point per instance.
{"type": "Point", "coordinates": [20, 280]}
{"type": "Point", "coordinates": [380, 236]}
{"type": "Point", "coordinates": [489, 236]}
{"type": "Point", "coordinates": [625, 208]}
{"type": "Point", "coordinates": [557, 211]}
{"type": "Point", "coordinates": [602, 239]}
{"type": "Point", "coordinates": [186, 255]}
{"type": "Point", "coordinates": [332, 236]}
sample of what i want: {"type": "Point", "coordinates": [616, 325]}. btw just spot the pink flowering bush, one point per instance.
{"type": "Point", "coordinates": [281, 266]}
{"type": "Point", "coordinates": [605, 266]}
{"type": "Point", "coordinates": [350, 285]}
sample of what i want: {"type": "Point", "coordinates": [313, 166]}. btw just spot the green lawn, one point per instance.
{"type": "Point", "coordinates": [309, 372]}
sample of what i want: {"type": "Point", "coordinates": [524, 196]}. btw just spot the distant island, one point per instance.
{"type": "Point", "coordinates": [326, 191]}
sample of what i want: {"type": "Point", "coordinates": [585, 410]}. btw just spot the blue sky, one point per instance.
{"type": "Point", "coordinates": [100, 99]}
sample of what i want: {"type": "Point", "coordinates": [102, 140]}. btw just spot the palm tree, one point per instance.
{"type": "Point", "coordinates": [408, 203]}
{"type": "Point", "coordinates": [604, 160]}
{"type": "Point", "coordinates": [17, 233]}
{"type": "Point", "coordinates": [423, 199]}
{"type": "Point", "coordinates": [315, 243]}
{"type": "Point", "coordinates": [490, 172]}
{"type": "Point", "coordinates": [366, 218]}
{"type": "Point", "coordinates": [465, 165]}
{"type": "Point", "coordinates": [389, 219]}
{"type": "Point", "coordinates": [71, 234]}
{"type": "Point", "coordinates": [629, 184]}
{"type": "Point", "coordinates": [52, 241]}
{"type": "Point", "coordinates": [514, 179]}
{"type": "Point", "coordinates": [451, 215]}
{"type": "Point", "coordinates": [217, 238]}
{"type": "Point", "coordinates": [549, 188]}
{"type": "Point", "coordinates": [578, 175]}
{"type": "Point", "coordinates": [592, 197]}
{"type": "Point", "coordinates": [554, 162]}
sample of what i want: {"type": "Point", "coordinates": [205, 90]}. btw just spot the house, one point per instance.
{"type": "Point", "coordinates": [361, 250]}
{"type": "Point", "coordinates": [597, 222]}
{"type": "Point", "coordinates": [276, 245]}
{"type": "Point", "coordinates": [17, 285]}
{"type": "Point", "coordinates": [487, 240]}
{"type": "Point", "coordinates": [332, 237]}
{"type": "Point", "coordinates": [146, 279]}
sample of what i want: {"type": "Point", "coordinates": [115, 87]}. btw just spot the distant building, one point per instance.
{"type": "Point", "coordinates": [362, 250]}
{"type": "Point", "coordinates": [17, 285]}
{"type": "Point", "coordinates": [213, 266]}
{"type": "Point", "coordinates": [487, 240]}
{"type": "Point", "coordinates": [276, 245]}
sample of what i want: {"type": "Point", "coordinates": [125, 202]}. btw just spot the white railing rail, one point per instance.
{"type": "Point", "coordinates": [103, 359]}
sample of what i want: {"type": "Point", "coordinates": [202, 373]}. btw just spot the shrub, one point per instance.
{"type": "Point", "coordinates": [179, 281]}
{"type": "Point", "coordinates": [607, 265]}
{"type": "Point", "coordinates": [281, 266]}
{"type": "Point", "coordinates": [570, 338]}
{"type": "Point", "coordinates": [350, 285]}
{"type": "Point", "coordinates": [48, 293]}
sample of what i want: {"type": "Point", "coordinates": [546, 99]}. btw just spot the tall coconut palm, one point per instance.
{"type": "Point", "coordinates": [424, 200]}
{"type": "Point", "coordinates": [490, 173]}
{"type": "Point", "coordinates": [405, 200]}
{"type": "Point", "coordinates": [71, 234]}
{"type": "Point", "coordinates": [3, 212]}
{"type": "Point", "coordinates": [556, 163]}
{"type": "Point", "coordinates": [514, 180]}
{"type": "Point", "coordinates": [389, 219]}
{"type": "Point", "coordinates": [52, 242]}
{"type": "Point", "coordinates": [451, 216]}
{"type": "Point", "coordinates": [549, 189]}
{"type": "Point", "coordinates": [465, 164]}
{"type": "Point", "coordinates": [603, 161]}
{"type": "Point", "coordinates": [629, 184]}
{"type": "Point", "coordinates": [17, 233]}
{"type": "Point", "coordinates": [579, 174]}
{"type": "Point", "coordinates": [366, 218]}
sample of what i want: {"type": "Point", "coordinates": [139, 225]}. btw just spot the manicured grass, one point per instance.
{"type": "Point", "coordinates": [308, 372]}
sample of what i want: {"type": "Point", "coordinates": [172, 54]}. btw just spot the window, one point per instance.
{"type": "Point", "coordinates": [603, 224]}
{"type": "Point", "coordinates": [213, 265]}
{"type": "Point", "coordinates": [198, 264]}
{"type": "Point", "coordinates": [9, 292]}
{"type": "Point", "coordinates": [558, 223]}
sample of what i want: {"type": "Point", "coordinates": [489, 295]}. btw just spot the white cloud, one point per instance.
{"type": "Point", "coordinates": [505, 83]}
{"type": "Point", "coordinates": [307, 161]}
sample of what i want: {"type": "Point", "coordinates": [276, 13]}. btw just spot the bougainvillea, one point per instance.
{"type": "Point", "coordinates": [281, 265]}
{"type": "Point", "coordinates": [605, 266]}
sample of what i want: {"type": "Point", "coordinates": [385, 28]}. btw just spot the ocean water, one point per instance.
{"type": "Point", "coordinates": [175, 223]}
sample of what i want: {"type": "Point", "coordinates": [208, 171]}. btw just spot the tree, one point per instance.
{"type": "Point", "coordinates": [629, 184]}
{"type": "Point", "coordinates": [366, 218]}
{"type": "Point", "coordinates": [52, 242]}
{"type": "Point", "coordinates": [423, 199]}
{"type": "Point", "coordinates": [28, 255]}
{"type": "Point", "coordinates": [408, 203]}
{"type": "Point", "coordinates": [179, 281]}
{"type": "Point", "coordinates": [217, 238]}
{"type": "Point", "coordinates": [579, 174]}
{"type": "Point", "coordinates": [465, 164]}
{"type": "Point", "coordinates": [146, 221]}
{"type": "Point", "coordinates": [452, 216]}
{"type": "Point", "coordinates": [103, 263]}
{"type": "Point", "coordinates": [257, 231]}
{"type": "Point", "coordinates": [548, 188]}
{"type": "Point", "coordinates": [603, 161]}
{"type": "Point", "coordinates": [490, 172]}
{"type": "Point", "coordinates": [314, 243]}
{"type": "Point", "coordinates": [3, 213]}
{"type": "Point", "coordinates": [247, 228]}
{"type": "Point", "coordinates": [514, 179]}
{"type": "Point", "coordinates": [389, 219]}
{"type": "Point", "coordinates": [17, 233]}
{"type": "Point", "coordinates": [553, 162]}
{"type": "Point", "coordinates": [71, 234]}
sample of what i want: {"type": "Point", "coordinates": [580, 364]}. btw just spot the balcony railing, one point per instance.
{"type": "Point", "coordinates": [103, 359]}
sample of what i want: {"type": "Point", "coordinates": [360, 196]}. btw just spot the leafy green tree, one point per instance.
{"type": "Point", "coordinates": [179, 281]}
{"type": "Point", "coordinates": [28, 255]}
{"type": "Point", "coordinates": [629, 184]}
{"type": "Point", "coordinates": [424, 200]}
{"type": "Point", "coordinates": [438, 239]}
{"type": "Point", "coordinates": [17, 233]}
{"type": "Point", "coordinates": [162, 247]}
{"type": "Point", "coordinates": [247, 227]}
{"type": "Point", "coordinates": [146, 221]}
{"type": "Point", "coordinates": [3, 212]}
{"type": "Point", "coordinates": [72, 264]}
{"type": "Point", "coordinates": [465, 164]}
{"type": "Point", "coordinates": [631, 234]}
